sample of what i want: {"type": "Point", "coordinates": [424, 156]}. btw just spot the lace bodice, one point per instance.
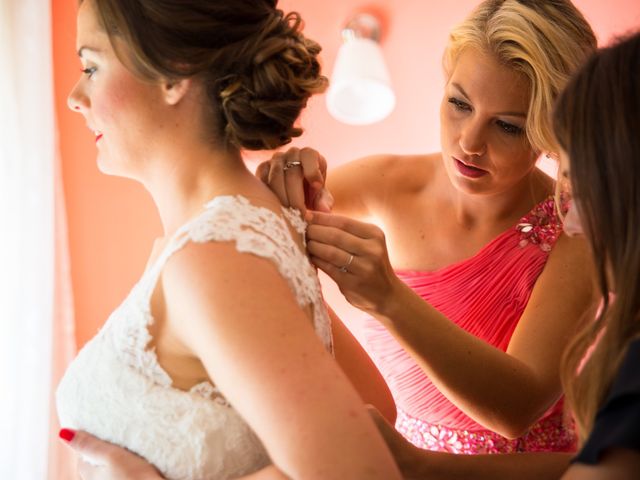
{"type": "Point", "coordinates": [117, 390]}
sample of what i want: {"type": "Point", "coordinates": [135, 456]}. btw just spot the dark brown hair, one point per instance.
{"type": "Point", "coordinates": [597, 122]}
{"type": "Point", "coordinates": [258, 68]}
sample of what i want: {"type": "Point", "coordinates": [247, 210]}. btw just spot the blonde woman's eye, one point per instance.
{"type": "Point", "coordinates": [459, 104]}
{"type": "Point", "coordinates": [509, 128]}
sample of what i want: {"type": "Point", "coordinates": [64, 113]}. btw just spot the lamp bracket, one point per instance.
{"type": "Point", "coordinates": [362, 25]}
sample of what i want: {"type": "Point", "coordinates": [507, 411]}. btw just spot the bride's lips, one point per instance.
{"type": "Point", "coordinates": [468, 170]}
{"type": "Point", "coordinates": [96, 133]}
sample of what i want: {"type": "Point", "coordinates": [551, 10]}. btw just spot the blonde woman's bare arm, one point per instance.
{"type": "Point", "coordinates": [504, 391]}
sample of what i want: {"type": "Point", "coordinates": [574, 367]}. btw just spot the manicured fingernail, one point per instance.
{"type": "Point", "coordinates": [326, 203]}
{"type": "Point", "coordinates": [308, 216]}
{"type": "Point", "coordinates": [66, 434]}
{"type": "Point", "coordinates": [329, 199]}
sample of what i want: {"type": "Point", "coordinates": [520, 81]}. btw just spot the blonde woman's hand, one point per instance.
{"type": "Point", "coordinates": [354, 254]}
{"type": "Point", "coordinates": [100, 460]}
{"type": "Point", "coordinates": [297, 177]}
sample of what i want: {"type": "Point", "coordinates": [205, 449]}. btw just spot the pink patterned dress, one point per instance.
{"type": "Point", "coordinates": [486, 296]}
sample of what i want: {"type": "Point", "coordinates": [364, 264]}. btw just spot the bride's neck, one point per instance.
{"type": "Point", "coordinates": [181, 187]}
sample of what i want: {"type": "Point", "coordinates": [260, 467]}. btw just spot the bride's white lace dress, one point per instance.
{"type": "Point", "coordinates": [116, 389]}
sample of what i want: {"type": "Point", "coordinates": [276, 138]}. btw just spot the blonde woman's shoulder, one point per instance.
{"type": "Point", "coordinates": [359, 185]}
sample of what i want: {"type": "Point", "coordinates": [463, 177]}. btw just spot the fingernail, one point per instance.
{"type": "Point", "coordinates": [66, 434]}
{"type": "Point", "coordinates": [329, 199]}
{"type": "Point", "coordinates": [326, 203]}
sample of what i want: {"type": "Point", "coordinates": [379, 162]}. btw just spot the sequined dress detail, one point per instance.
{"type": "Point", "coordinates": [486, 296]}
{"type": "Point", "coordinates": [116, 389]}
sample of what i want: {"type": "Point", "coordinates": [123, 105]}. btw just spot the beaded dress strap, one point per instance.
{"type": "Point", "coordinates": [541, 226]}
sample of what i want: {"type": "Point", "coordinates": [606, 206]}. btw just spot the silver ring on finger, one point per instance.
{"type": "Point", "coordinates": [345, 268]}
{"type": "Point", "coordinates": [289, 165]}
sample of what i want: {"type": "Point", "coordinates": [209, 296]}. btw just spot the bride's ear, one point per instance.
{"type": "Point", "coordinates": [175, 90]}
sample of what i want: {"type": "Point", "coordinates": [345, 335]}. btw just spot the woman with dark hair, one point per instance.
{"type": "Point", "coordinates": [597, 121]}
{"type": "Point", "coordinates": [218, 363]}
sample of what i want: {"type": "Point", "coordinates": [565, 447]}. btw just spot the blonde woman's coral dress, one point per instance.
{"type": "Point", "coordinates": [486, 296]}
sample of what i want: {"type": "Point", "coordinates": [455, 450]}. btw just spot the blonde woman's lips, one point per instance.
{"type": "Point", "coordinates": [469, 170]}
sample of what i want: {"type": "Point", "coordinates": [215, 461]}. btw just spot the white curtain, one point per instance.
{"type": "Point", "coordinates": [27, 156]}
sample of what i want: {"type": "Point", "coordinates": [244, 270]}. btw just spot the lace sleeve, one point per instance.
{"type": "Point", "coordinates": [261, 232]}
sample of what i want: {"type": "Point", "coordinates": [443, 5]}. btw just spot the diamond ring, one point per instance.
{"type": "Point", "coordinates": [289, 165]}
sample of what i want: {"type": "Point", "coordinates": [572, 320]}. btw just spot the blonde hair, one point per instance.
{"type": "Point", "coordinates": [546, 40]}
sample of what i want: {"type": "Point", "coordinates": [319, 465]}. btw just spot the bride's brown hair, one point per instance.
{"type": "Point", "coordinates": [258, 68]}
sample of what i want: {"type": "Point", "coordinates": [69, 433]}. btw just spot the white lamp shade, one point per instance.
{"type": "Point", "coordinates": [360, 92]}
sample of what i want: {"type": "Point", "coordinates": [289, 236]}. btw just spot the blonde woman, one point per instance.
{"type": "Point", "coordinates": [479, 292]}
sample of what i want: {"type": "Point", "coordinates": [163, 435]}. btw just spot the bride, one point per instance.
{"type": "Point", "coordinates": [218, 363]}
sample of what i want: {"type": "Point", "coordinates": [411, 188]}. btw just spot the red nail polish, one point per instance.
{"type": "Point", "coordinates": [66, 434]}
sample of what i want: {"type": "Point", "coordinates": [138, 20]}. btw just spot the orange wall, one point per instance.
{"type": "Point", "coordinates": [112, 221]}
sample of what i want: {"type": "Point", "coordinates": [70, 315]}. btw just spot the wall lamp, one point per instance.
{"type": "Point", "coordinates": [360, 91]}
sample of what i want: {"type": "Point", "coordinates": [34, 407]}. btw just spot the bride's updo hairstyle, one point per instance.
{"type": "Point", "coordinates": [257, 67]}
